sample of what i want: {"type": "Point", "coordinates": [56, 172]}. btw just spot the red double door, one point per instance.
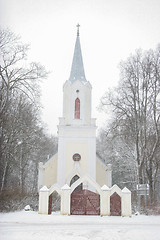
{"type": "Point", "coordinates": [85, 202]}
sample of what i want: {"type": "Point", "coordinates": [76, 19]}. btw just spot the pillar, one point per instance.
{"type": "Point", "coordinates": [126, 203]}
{"type": "Point", "coordinates": [109, 175]}
{"type": "Point", "coordinates": [105, 201]}
{"type": "Point", "coordinates": [65, 200]}
{"type": "Point", "coordinates": [43, 200]}
{"type": "Point", "coordinates": [40, 175]}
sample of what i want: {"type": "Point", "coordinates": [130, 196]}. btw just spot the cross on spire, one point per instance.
{"type": "Point", "coordinates": [78, 29]}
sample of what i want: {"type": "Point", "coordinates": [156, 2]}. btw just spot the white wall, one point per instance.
{"type": "Point", "coordinates": [76, 135]}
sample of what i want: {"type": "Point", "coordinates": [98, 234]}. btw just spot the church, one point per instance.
{"type": "Point", "coordinates": [75, 172]}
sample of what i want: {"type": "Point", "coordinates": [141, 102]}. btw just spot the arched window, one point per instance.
{"type": "Point", "coordinates": [79, 187]}
{"type": "Point", "coordinates": [77, 109]}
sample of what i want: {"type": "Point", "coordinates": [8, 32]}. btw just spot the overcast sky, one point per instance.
{"type": "Point", "coordinates": [110, 31]}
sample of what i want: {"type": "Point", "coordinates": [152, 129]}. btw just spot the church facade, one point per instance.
{"type": "Point", "coordinates": [75, 171]}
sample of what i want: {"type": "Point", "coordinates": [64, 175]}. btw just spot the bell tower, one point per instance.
{"type": "Point", "coordinates": [76, 129]}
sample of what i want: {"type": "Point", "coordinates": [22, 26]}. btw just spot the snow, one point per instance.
{"type": "Point", "coordinates": [126, 190]}
{"type": "Point", "coordinates": [28, 225]}
{"type": "Point", "coordinates": [44, 189]}
{"type": "Point", "coordinates": [27, 208]}
{"type": "Point", "coordinates": [66, 187]}
{"type": "Point", "coordinates": [105, 188]}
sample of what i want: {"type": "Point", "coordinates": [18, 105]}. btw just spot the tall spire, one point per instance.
{"type": "Point", "coordinates": [77, 69]}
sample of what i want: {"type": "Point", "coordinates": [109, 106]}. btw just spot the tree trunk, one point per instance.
{"type": "Point", "coordinates": [4, 176]}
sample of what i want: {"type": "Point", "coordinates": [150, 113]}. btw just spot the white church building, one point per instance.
{"type": "Point", "coordinates": [80, 177]}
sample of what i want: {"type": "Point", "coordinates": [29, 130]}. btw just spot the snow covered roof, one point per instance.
{"type": "Point", "coordinates": [44, 189]}
{"type": "Point", "coordinates": [126, 190]}
{"type": "Point", "coordinates": [77, 69]}
{"type": "Point", "coordinates": [104, 188]}
{"type": "Point", "coordinates": [66, 187]}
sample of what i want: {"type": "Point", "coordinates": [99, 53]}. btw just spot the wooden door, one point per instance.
{"type": "Point", "coordinates": [50, 204]}
{"type": "Point", "coordinates": [85, 202]}
{"type": "Point", "coordinates": [115, 205]}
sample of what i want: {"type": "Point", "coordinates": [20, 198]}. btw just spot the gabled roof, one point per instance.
{"type": "Point", "coordinates": [77, 69]}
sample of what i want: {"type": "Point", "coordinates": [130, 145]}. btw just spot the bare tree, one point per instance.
{"type": "Point", "coordinates": [19, 103]}
{"type": "Point", "coordinates": [136, 108]}
{"type": "Point", "coordinates": [113, 147]}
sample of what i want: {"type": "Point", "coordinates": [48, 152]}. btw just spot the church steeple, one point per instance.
{"type": "Point", "coordinates": [77, 69]}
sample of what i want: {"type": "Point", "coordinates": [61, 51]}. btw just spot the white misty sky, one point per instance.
{"type": "Point", "coordinates": [110, 31]}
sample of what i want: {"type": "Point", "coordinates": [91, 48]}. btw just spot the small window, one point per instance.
{"type": "Point", "coordinates": [77, 109]}
{"type": "Point", "coordinates": [76, 157]}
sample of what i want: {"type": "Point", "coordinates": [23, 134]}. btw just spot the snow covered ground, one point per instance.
{"type": "Point", "coordinates": [29, 225]}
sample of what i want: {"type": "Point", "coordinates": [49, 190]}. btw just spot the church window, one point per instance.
{"type": "Point", "coordinates": [74, 179]}
{"type": "Point", "coordinates": [76, 157]}
{"type": "Point", "coordinates": [79, 187]}
{"type": "Point", "coordinates": [77, 109]}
